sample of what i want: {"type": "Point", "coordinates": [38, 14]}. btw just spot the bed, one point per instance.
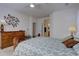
{"type": "Point", "coordinates": [43, 46]}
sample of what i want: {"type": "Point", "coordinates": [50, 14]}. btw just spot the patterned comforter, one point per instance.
{"type": "Point", "coordinates": [42, 46]}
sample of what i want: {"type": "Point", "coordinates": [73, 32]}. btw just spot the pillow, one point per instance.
{"type": "Point", "coordinates": [70, 43]}
{"type": "Point", "coordinates": [76, 48]}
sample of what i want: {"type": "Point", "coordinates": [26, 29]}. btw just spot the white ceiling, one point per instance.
{"type": "Point", "coordinates": [41, 9]}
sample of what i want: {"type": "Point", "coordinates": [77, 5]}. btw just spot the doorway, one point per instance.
{"type": "Point", "coordinates": [46, 28]}
{"type": "Point", "coordinates": [34, 29]}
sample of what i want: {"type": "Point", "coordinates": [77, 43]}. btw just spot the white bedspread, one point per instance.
{"type": "Point", "coordinates": [42, 46]}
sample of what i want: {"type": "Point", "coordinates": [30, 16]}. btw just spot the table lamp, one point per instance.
{"type": "Point", "coordinates": [72, 30]}
{"type": "Point", "coordinates": [2, 22]}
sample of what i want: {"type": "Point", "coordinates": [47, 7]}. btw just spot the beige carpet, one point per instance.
{"type": "Point", "coordinates": [6, 51]}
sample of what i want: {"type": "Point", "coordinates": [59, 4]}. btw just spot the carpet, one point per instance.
{"type": "Point", "coordinates": [7, 51]}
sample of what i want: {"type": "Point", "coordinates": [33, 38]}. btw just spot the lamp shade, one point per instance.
{"type": "Point", "coordinates": [2, 21]}
{"type": "Point", "coordinates": [72, 29]}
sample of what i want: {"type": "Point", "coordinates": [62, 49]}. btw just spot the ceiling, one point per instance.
{"type": "Point", "coordinates": [41, 9]}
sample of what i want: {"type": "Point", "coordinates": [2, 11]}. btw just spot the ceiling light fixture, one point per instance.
{"type": "Point", "coordinates": [66, 4]}
{"type": "Point", "coordinates": [32, 5]}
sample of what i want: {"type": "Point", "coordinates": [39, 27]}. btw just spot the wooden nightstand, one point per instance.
{"type": "Point", "coordinates": [69, 43]}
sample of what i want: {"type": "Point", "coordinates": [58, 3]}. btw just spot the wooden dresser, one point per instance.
{"type": "Point", "coordinates": [7, 38]}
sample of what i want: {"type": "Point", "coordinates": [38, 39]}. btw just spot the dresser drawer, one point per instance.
{"type": "Point", "coordinates": [7, 37]}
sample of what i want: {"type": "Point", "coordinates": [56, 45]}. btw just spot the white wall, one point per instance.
{"type": "Point", "coordinates": [61, 21]}
{"type": "Point", "coordinates": [31, 20]}
{"type": "Point", "coordinates": [78, 23]}
{"type": "Point", "coordinates": [39, 25]}
{"type": "Point", "coordinates": [25, 21]}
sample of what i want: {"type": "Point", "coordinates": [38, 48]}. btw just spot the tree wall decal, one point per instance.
{"type": "Point", "coordinates": [11, 20]}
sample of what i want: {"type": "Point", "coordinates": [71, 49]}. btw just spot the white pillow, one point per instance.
{"type": "Point", "coordinates": [76, 37]}
{"type": "Point", "coordinates": [76, 48]}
